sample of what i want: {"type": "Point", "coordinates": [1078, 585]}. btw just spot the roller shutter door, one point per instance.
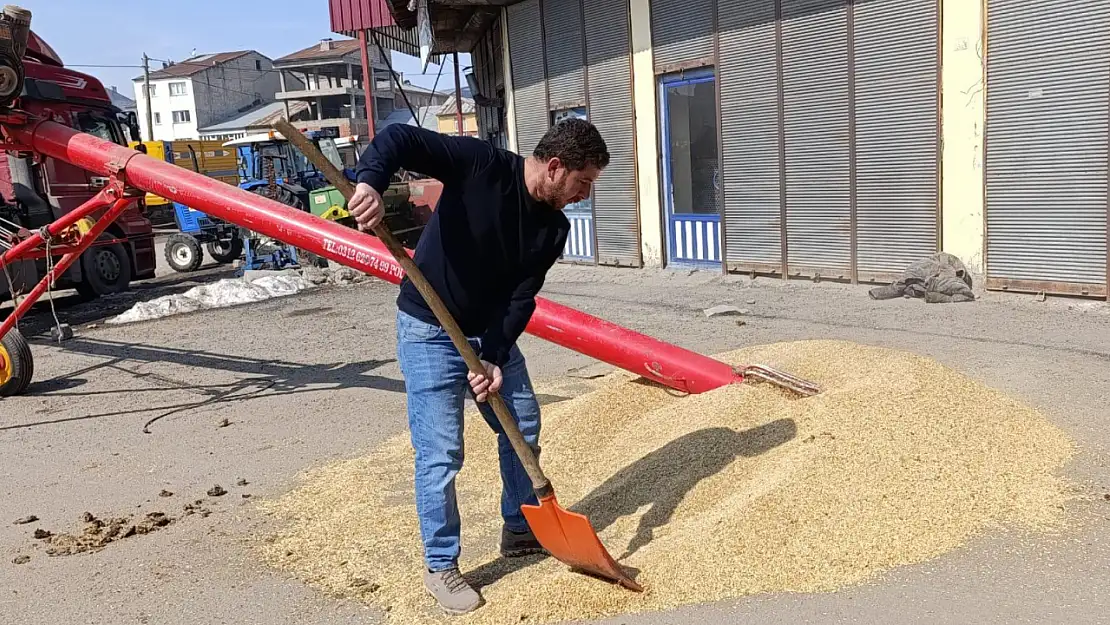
{"type": "Point", "coordinates": [896, 134]}
{"type": "Point", "coordinates": [562, 23]}
{"type": "Point", "coordinates": [681, 33]}
{"type": "Point", "coordinates": [752, 175]}
{"type": "Point", "coordinates": [608, 46]}
{"type": "Point", "coordinates": [529, 84]}
{"type": "Point", "coordinates": [1048, 95]}
{"type": "Point", "coordinates": [816, 96]}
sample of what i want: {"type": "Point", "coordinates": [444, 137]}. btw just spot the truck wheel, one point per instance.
{"type": "Point", "coordinates": [225, 252]}
{"type": "Point", "coordinates": [16, 366]}
{"type": "Point", "coordinates": [105, 269]}
{"type": "Point", "coordinates": [183, 253]}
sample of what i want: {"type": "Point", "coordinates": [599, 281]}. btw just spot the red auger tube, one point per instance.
{"type": "Point", "coordinates": [667, 364]}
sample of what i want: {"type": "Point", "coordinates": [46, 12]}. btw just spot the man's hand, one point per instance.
{"type": "Point", "coordinates": [366, 206]}
{"type": "Point", "coordinates": [484, 384]}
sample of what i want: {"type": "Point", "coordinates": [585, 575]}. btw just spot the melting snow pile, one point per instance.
{"type": "Point", "coordinates": [222, 294]}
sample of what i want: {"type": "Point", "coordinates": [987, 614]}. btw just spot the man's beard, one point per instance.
{"type": "Point", "coordinates": [556, 195]}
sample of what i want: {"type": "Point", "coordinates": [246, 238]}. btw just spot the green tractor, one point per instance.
{"type": "Point", "coordinates": [400, 216]}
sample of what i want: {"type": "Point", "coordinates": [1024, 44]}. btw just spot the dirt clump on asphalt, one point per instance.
{"type": "Point", "coordinates": [98, 533]}
{"type": "Point", "coordinates": [742, 490]}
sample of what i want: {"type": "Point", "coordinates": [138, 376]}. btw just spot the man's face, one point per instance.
{"type": "Point", "coordinates": [567, 187]}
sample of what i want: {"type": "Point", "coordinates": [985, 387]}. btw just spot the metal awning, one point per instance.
{"type": "Point", "coordinates": [456, 24]}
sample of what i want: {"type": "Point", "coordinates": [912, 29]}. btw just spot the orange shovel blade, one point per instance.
{"type": "Point", "coordinates": [569, 538]}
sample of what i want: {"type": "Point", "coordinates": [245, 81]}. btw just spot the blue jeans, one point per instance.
{"type": "Point", "coordinates": [436, 386]}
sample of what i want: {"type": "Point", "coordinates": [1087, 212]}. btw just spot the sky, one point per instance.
{"type": "Point", "coordinates": [105, 33]}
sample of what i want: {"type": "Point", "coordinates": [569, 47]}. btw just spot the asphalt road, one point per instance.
{"type": "Point", "coordinates": [312, 378]}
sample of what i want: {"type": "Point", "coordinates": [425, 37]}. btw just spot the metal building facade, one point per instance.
{"type": "Point", "coordinates": [571, 58]}
{"type": "Point", "coordinates": [1047, 131]}
{"type": "Point", "coordinates": [829, 134]}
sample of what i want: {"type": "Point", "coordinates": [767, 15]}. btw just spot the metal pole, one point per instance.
{"type": "Point", "coordinates": [458, 95]}
{"type": "Point", "coordinates": [146, 96]}
{"type": "Point", "coordinates": [367, 82]}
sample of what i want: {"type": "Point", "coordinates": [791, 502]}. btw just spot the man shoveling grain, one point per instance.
{"type": "Point", "coordinates": [496, 231]}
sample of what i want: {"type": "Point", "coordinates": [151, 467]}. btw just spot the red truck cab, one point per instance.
{"type": "Point", "coordinates": [39, 190]}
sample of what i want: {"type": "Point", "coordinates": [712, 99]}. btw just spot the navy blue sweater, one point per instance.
{"type": "Point", "coordinates": [488, 245]}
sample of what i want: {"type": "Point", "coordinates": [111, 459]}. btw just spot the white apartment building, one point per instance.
{"type": "Point", "coordinates": [203, 90]}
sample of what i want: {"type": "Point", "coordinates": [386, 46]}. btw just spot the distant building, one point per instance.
{"type": "Point", "coordinates": [121, 101]}
{"type": "Point", "coordinates": [255, 119]}
{"type": "Point", "coordinates": [203, 90]}
{"type": "Point", "coordinates": [448, 123]}
{"type": "Point", "coordinates": [420, 96]}
{"type": "Point", "coordinates": [326, 79]}
{"type": "Point", "coordinates": [425, 118]}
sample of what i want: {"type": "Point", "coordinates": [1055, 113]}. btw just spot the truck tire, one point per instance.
{"type": "Point", "coordinates": [105, 269]}
{"type": "Point", "coordinates": [16, 365]}
{"type": "Point", "coordinates": [225, 252]}
{"type": "Point", "coordinates": [183, 253]}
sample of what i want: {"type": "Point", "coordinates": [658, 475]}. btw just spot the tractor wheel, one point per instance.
{"type": "Point", "coordinates": [183, 253]}
{"type": "Point", "coordinates": [105, 269]}
{"type": "Point", "coordinates": [227, 251]}
{"type": "Point", "coordinates": [16, 366]}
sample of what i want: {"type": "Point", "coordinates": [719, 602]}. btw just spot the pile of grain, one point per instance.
{"type": "Point", "coordinates": [738, 491]}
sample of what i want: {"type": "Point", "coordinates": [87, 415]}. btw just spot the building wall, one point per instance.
{"type": "Point", "coordinates": [224, 89]}
{"type": "Point", "coordinates": [449, 125]}
{"type": "Point", "coordinates": [962, 132]}
{"type": "Point", "coordinates": [958, 185]}
{"type": "Point", "coordinates": [488, 69]}
{"type": "Point", "coordinates": [163, 107]}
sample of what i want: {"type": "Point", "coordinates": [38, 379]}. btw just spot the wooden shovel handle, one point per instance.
{"type": "Point", "coordinates": [528, 458]}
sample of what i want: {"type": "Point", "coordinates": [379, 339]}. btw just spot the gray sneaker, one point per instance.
{"type": "Point", "coordinates": [452, 592]}
{"type": "Point", "coordinates": [515, 545]}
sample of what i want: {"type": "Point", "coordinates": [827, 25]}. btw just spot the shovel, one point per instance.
{"type": "Point", "coordinates": [566, 535]}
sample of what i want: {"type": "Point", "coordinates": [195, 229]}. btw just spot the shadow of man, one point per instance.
{"type": "Point", "coordinates": [661, 478]}
{"type": "Point", "coordinates": [664, 477]}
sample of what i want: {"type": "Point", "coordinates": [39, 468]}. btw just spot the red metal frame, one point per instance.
{"type": "Point", "coordinates": [664, 363]}
{"type": "Point", "coordinates": [110, 196]}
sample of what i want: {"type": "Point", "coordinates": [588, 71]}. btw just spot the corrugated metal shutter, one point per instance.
{"type": "Point", "coordinates": [1046, 150]}
{"type": "Point", "coordinates": [897, 191]}
{"type": "Point", "coordinates": [529, 86]}
{"type": "Point", "coordinates": [562, 23]}
{"type": "Point", "coordinates": [749, 123]}
{"type": "Point", "coordinates": [816, 91]}
{"type": "Point", "coordinates": [608, 46]}
{"type": "Point", "coordinates": [681, 31]}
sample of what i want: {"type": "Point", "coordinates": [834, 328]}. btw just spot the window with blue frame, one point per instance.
{"type": "Point", "coordinates": [690, 101]}
{"type": "Point", "coordinates": [691, 168]}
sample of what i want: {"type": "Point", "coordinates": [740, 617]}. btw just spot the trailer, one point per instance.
{"type": "Point", "coordinates": [26, 126]}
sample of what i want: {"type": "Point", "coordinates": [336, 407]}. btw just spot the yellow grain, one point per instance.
{"type": "Point", "coordinates": [739, 491]}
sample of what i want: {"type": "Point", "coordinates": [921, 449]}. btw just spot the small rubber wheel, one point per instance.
{"type": "Point", "coordinates": [227, 251]}
{"type": "Point", "coordinates": [183, 253]}
{"type": "Point", "coordinates": [16, 365]}
{"type": "Point", "coordinates": [106, 269]}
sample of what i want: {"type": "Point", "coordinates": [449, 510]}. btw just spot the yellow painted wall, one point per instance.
{"type": "Point", "coordinates": [448, 124]}
{"type": "Point", "coordinates": [647, 146]}
{"type": "Point", "coordinates": [963, 92]}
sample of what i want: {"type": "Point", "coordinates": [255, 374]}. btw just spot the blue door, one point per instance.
{"type": "Point", "coordinates": [691, 172]}
{"type": "Point", "coordinates": [580, 242]}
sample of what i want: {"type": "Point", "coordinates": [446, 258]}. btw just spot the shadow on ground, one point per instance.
{"type": "Point", "coordinates": [266, 378]}
{"type": "Point", "coordinates": [76, 310]}
{"type": "Point", "coordinates": [660, 479]}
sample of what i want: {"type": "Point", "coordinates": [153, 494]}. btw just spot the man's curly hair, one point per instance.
{"type": "Point", "coordinates": [575, 142]}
